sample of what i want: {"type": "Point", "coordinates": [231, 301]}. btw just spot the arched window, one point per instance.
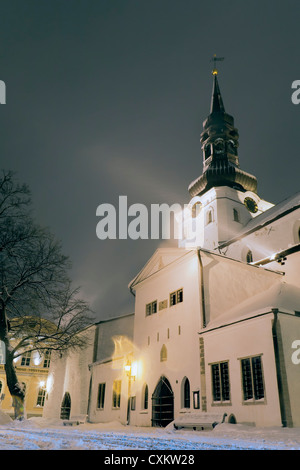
{"type": "Point", "coordinates": [209, 217]}
{"type": "Point", "coordinates": [145, 396]}
{"type": "Point", "coordinates": [249, 257]}
{"type": "Point", "coordinates": [236, 215]}
{"type": "Point", "coordinates": [186, 395]}
{"type": "Point", "coordinates": [163, 353]}
{"type": "Point", "coordinates": [196, 209]}
{"type": "Point", "coordinates": [207, 151]}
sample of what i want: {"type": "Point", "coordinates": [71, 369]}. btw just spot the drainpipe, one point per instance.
{"type": "Point", "coordinates": [282, 390]}
{"type": "Point", "coordinates": [202, 289]}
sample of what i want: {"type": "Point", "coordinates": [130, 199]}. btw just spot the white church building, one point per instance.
{"type": "Point", "coordinates": [216, 325]}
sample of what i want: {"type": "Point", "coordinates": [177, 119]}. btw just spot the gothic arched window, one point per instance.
{"type": "Point", "coordinates": [186, 394]}
{"type": "Point", "coordinates": [145, 396]}
{"type": "Point", "coordinates": [249, 257]}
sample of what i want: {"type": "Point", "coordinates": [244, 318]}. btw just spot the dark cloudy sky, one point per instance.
{"type": "Point", "coordinates": [107, 98]}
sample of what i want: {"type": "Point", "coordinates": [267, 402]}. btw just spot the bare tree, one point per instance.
{"type": "Point", "coordinates": [39, 308]}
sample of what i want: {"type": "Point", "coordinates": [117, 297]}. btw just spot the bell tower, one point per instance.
{"type": "Point", "coordinates": [219, 143]}
{"type": "Point", "coordinates": [224, 197]}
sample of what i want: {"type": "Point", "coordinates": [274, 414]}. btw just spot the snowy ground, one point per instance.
{"type": "Point", "coordinates": [42, 434]}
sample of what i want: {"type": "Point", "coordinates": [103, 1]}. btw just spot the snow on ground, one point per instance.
{"type": "Point", "coordinates": [46, 434]}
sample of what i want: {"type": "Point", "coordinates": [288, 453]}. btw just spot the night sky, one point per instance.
{"type": "Point", "coordinates": [108, 97]}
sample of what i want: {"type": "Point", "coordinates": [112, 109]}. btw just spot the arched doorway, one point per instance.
{"type": "Point", "coordinates": [65, 406]}
{"type": "Point", "coordinates": [162, 403]}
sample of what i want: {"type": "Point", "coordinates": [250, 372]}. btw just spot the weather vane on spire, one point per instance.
{"type": "Point", "coordinates": [215, 59]}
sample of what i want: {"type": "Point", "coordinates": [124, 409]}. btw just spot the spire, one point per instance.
{"type": "Point", "coordinates": [219, 142]}
{"type": "Point", "coordinates": [217, 105]}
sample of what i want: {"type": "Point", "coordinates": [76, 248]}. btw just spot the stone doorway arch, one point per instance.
{"type": "Point", "coordinates": [162, 403]}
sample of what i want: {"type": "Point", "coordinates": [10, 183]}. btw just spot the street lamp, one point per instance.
{"type": "Point", "coordinates": [127, 368]}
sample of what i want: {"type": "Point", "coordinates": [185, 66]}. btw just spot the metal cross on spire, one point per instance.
{"type": "Point", "coordinates": [215, 59]}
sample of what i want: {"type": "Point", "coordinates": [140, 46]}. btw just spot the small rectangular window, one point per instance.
{"type": "Point", "coordinates": [132, 403]}
{"type": "Point", "coordinates": [176, 297]}
{"type": "Point", "coordinates": [236, 216]}
{"type": "Point", "coordinates": [173, 298]}
{"type": "Point", "coordinates": [101, 396]}
{"type": "Point", "coordinates": [196, 400]}
{"type": "Point", "coordinates": [179, 296]}
{"type": "Point", "coordinates": [116, 398]}
{"type": "Point", "coordinates": [151, 308]}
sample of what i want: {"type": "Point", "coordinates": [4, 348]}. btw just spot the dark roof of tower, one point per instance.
{"type": "Point", "coordinates": [221, 163]}
{"type": "Point", "coordinates": [217, 105]}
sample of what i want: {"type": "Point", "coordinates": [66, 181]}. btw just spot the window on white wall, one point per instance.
{"type": "Point", "coordinates": [249, 257]}
{"type": "Point", "coordinates": [236, 215]}
{"type": "Point", "coordinates": [252, 378]}
{"type": "Point", "coordinates": [220, 381]}
{"type": "Point", "coordinates": [176, 297]}
{"type": "Point", "coordinates": [101, 396]}
{"type": "Point", "coordinates": [186, 393]}
{"type": "Point", "coordinates": [163, 353]}
{"type": "Point", "coordinates": [209, 217]}
{"type": "Point", "coordinates": [145, 397]}
{"type": "Point", "coordinates": [116, 398]}
{"type": "Point", "coordinates": [151, 308]}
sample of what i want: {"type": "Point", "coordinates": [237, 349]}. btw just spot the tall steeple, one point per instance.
{"type": "Point", "coordinates": [219, 143]}
{"type": "Point", "coordinates": [217, 105]}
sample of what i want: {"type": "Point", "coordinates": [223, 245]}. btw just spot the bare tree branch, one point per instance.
{"type": "Point", "coordinates": [39, 308]}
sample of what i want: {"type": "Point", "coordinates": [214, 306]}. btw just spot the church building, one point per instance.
{"type": "Point", "coordinates": [216, 325]}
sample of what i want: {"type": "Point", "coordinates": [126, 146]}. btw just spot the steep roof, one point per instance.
{"type": "Point", "coordinates": [161, 258]}
{"type": "Point", "coordinates": [276, 212]}
{"type": "Point", "coordinates": [281, 296]}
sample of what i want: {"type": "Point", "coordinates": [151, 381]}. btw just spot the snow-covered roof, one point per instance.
{"type": "Point", "coordinates": [282, 296]}
{"type": "Point", "coordinates": [161, 258]}
{"type": "Point", "coordinates": [279, 210]}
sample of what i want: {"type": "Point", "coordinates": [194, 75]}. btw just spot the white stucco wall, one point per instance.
{"type": "Point", "coordinates": [175, 327]}
{"type": "Point", "coordinates": [246, 339]}
{"type": "Point", "coordinates": [70, 373]}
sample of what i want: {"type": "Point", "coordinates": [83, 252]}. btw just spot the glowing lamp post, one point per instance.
{"type": "Point", "coordinates": [127, 368]}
